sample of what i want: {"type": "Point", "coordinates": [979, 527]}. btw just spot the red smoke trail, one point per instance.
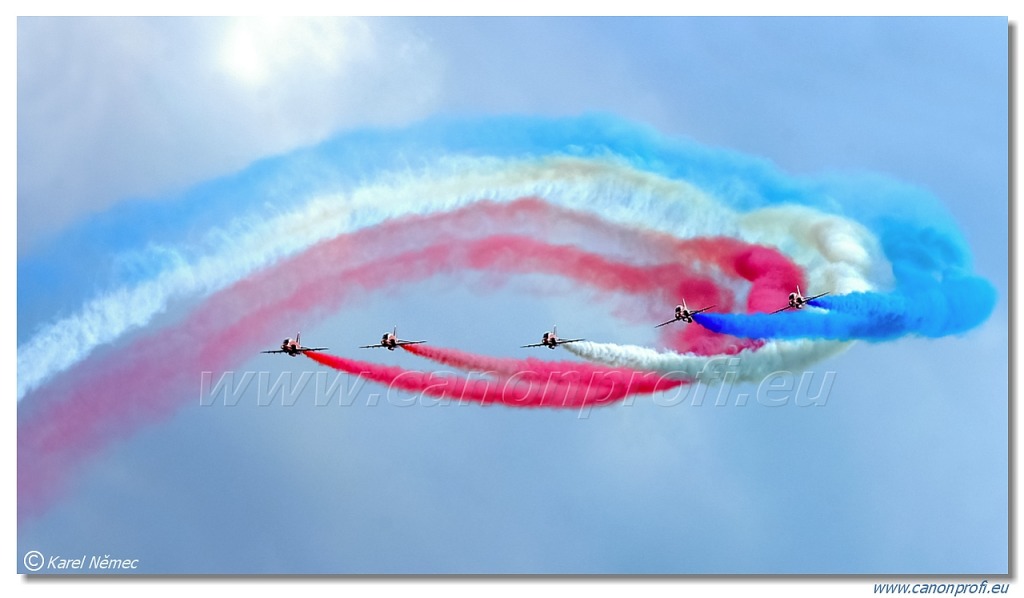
{"type": "Point", "coordinates": [119, 389]}
{"type": "Point", "coordinates": [329, 283]}
{"type": "Point", "coordinates": [539, 369]}
{"type": "Point", "coordinates": [483, 363]}
{"type": "Point", "coordinates": [321, 266]}
{"type": "Point", "coordinates": [770, 273]}
{"type": "Point", "coordinates": [514, 390]}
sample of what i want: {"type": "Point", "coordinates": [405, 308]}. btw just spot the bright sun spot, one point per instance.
{"type": "Point", "coordinates": [256, 50]}
{"type": "Point", "coordinates": [241, 55]}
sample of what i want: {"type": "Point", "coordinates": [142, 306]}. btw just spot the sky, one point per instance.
{"type": "Point", "coordinates": [135, 159]}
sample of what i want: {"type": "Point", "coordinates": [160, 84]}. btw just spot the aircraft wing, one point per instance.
{"type": "Point", "coordinates": [277, 351]}
{"type": "Point", "coordinates": [400, 343]}
{"type": "Point", "coordinates": [534, 345]}
{"type": "Point", "coordinates": [701, 310]}
{"type": "Point", "coordinates": [781, 310]}
{"type": "Point", "coordinates": [305, 349]}
{"type": "Point", "coordinates": [666, 323]}
{"type": "Point", "coordinates": [815, 297]}
{"type": "Point", "coordinates": [571, 340]}
{"type": "Point", "coordinates": [377, 346]}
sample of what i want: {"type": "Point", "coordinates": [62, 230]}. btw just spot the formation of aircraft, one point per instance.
{"type": "Point", "coordinates": [684, 314]}
{"type": "Point", "coordinates": [390, 340]}
{"type": "Point", "coordinates": [293, 347]}
{"type": "Point", "coordinates": [798, 301]}
{"type": "Point", "coordinates": [551, 340]}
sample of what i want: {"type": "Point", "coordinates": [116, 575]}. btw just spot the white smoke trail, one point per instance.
{"type": "Point", "coordinates": [839, 255]}
{"type": "Point", "coordinates": [748, 365]}
{"type": "Point", "coordinates": [610, 188]}
{"type": "Point", "coordinates": [251, 243]}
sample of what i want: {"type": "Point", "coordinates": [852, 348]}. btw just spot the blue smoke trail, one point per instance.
{"type": "Point", "coordinates": [934, 295]}
{"type": "Point", "coordinates": [943, 308]}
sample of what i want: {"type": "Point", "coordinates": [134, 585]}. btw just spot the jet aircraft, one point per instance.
{"type": "Point", "coordinates": [551, 340]}
{"type": "Point", "coordinates": [390, 340]}
{"type": "Point", "coordinates": [294, 347]}
{"type": "Point", "coordinates": [798, 301]}
{"type": "Point", "coordinates": [684, 314]}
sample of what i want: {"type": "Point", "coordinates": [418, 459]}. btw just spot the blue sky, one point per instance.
{"type": "Point", "coordinates": [903, 471]}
